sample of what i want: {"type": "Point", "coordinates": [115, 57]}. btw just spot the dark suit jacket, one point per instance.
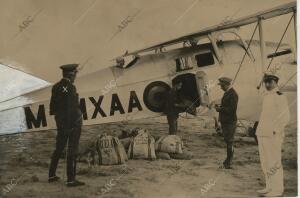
{"type": "Point", "coordinates": [64, 104]}
{"type": "Point", "coordinates": [227, 113]}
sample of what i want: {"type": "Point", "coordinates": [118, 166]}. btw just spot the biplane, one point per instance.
{"type": "Point", "coordinates": [133, 87]}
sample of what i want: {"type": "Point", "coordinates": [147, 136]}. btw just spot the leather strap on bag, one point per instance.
{"type": "Point", "coordinates": [99, 152]}
{"type": "Point", "coordinates": [149, 147]}
{"type": "Point", "coordinates": [116, 147]}
{"type": "Point", "coordinates": [160, 143]}
{"type": "Point", "coordinates": [131, 148]}
{"type": "Point", "coordinates": [177, 147]}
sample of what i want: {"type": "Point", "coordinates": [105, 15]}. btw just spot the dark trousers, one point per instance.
{"type": "Point", "coordinates": [63, 138]}
{"type": "Point", "coordinates": [228, 130]}
{"type": "Point", "coordinates": [173, 124]}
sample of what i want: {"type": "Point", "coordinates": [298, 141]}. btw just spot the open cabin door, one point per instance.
{"type": "Point", "coordinates": [202, 88]}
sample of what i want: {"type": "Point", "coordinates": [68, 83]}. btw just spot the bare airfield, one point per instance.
{"type": "Point", "coordinates": [25, 160]}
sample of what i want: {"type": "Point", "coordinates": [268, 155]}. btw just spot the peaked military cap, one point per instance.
{"type": "Point", "coordinates": [69, 67]}
{"type": "Point", "coordinates": [224, 80]}
{"type": "Point", "coordinates": [269, 77]}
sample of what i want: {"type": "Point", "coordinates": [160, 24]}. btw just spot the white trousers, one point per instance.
{"type": "Point", "coordinates": [270, 159]}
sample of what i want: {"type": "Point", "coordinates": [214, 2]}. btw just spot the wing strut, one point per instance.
{"type": "Point", "coordinates": [278, 45]}
{"type": "Point", "coordinates": [295, 30]}
{"type": "Point", "coordinates": [262, 44]}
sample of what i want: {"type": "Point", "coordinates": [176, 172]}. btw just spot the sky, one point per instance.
{"type": "Point", "coordinates": [40, 35]}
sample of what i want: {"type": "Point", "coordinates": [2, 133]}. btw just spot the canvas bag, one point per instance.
{"type": "Point", "coordinates": [110, 151]}
{"type": "Point", "coordinates": [169, 144]}
{"type": "Point", "coordinates": [142, 146]}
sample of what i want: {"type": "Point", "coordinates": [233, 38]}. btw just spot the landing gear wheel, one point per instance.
{"type": "Point", "coordinates": [154, 95]}
{"type": "Point", "coordinates": [252, 131]}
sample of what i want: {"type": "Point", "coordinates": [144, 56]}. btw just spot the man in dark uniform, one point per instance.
{"type": "Point", "coordinates": [228, 117]}
{"type": "Point", "coordinates": [171, 108]}
{"type": "Point", "coordinates": [64, 105]}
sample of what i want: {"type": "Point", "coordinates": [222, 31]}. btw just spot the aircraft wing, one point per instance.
{"type": "Point", "coordinates": [267, 14]}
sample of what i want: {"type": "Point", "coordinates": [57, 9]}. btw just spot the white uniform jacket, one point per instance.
{"type": "Point", "coordinates": [275, 114]}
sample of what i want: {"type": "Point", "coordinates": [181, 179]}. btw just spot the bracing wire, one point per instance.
{"type": "Point", "coordinates": [248, 47]}
{"type": "Point", "coordinates": [260, 83]}
{"type": "Point", "coordinates": [292, 76]}
{"type": "Point", "coordinates": [281, 40]}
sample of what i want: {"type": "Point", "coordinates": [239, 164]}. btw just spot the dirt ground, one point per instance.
{"type": "Point", "coordinates": [24, 161]}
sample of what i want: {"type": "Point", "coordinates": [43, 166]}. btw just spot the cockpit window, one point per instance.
{"type": "Point", "coordinates": [183, 63]}
{"type": "Point", "coordinates": [205, 59]}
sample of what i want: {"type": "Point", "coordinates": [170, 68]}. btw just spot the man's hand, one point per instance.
{"type": "Point", "coordinates": [218, 107]}
{"type": "Point", "coordinates": [177, 105]}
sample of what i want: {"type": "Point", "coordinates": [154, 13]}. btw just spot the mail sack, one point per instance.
{"type": "Point", "coordinates": [142, 146]}
{"type": "Point", "coordinates": [110, 151]}
{"type": "Point", "coordinates": [169, 144]}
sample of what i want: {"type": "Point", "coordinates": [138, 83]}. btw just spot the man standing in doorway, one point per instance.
{"type": "Point", "coordinates": [64, 105]}
{"type": "Point", "coordinates": [274, 117]}
{"type": "Point", "coordinates": [228, 117]}
{"type": "Point", "coordinates": [171, 108]}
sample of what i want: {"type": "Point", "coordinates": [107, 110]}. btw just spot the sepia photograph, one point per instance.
{"type": "Point", "coordinates": [148, 98]}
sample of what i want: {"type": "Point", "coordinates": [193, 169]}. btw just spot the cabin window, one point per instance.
{"type": "Point", "coordinates": [205, 59]}
{"type": "Point", "coordinates": [182, 64]}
